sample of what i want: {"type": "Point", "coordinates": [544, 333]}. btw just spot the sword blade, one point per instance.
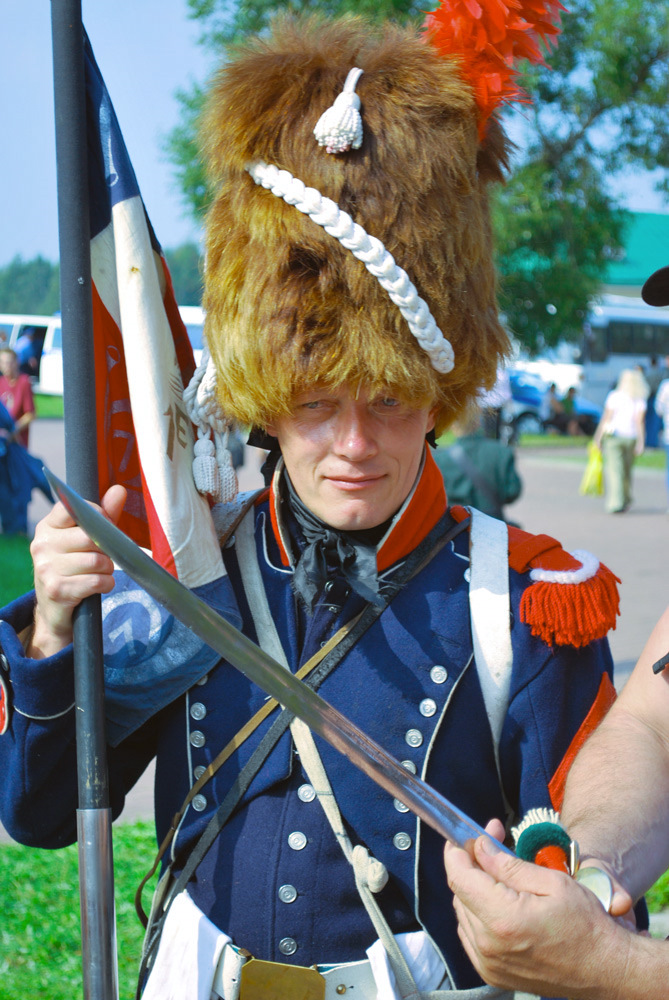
{"type": "Point", "coordinates": [367, 755]}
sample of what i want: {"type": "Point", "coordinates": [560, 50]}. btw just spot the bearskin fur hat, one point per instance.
{"type": "Point", "coordinates": [287, 306]}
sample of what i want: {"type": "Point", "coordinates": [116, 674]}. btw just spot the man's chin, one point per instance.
{"type": "Point", "coordinates": [353, 515]}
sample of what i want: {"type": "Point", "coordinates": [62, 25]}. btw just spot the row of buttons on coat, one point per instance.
{"type": "Point", "coordinates": [413, 737]}
{"type": "Point", "coordinates": [288, 893]}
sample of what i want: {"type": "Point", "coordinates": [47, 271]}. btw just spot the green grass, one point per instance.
{"type": "Point", "coordinates": [16, 569]}
{"type": "Point", "coordinates": [48, 406]}
{"type": "Point", "coordinates": [658, 897]}
{"type": "Point", "coordinates": [40, 943]}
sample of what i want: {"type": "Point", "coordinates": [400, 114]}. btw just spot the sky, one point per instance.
{"type": "Point", "coordinates": [146, 50]}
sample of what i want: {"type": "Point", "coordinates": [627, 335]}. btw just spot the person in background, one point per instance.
{"type": "Point", "coordinates": [656, 293]}
{"type": "Point", "coordinates": [576, 424]}
{"type": "Point", "coordinates": [28, 350]}
{"type": "Point", "coordinates": [477, 471]}
{"type": "Point", "coordinates": [654, 375]}
{"type": "Point", "coordinates": [662, 411]}
{"type": "Point", "coordinates": [492, 403]}
{"type": "Point", "coordinates": [17, 395]}
{"type": "Point", "coordinates": [20, 474]}
{"type": "Point", "coordinates": [550, 410]}
{"type": "Point", "coordinates": [621, 436]}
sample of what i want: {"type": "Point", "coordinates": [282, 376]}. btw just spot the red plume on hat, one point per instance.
{"type": "Point", "coordinates": [489, 38]}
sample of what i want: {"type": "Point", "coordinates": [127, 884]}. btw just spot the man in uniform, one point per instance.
{"type": "Point", "coordinates": [475, 653]}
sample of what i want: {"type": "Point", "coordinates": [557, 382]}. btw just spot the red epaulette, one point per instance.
{"type": "Point", "coordinates": [572, 599]}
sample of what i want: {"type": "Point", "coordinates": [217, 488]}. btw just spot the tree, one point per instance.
{"type": "Point", "coordinates": [600, 108]}
{"type": "Point", "coordinates": [185, 264]}
{"type": "Point", "coordinates": [29, 286]}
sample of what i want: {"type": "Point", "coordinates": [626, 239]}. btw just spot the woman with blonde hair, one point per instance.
{"type": "Point", "coordinates": [621, 434]}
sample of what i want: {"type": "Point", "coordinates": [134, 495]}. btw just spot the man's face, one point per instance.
{"type": "Point", "coordinates": [352, 460]}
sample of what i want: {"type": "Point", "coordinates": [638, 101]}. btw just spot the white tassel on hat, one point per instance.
{"type": "Point", "coordinates": [213, 472]}
{"type": "Point", "coordinates": [340, 127]}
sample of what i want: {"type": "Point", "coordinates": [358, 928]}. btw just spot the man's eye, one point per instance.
{"type": "Point", "coordinates": [388, 402]}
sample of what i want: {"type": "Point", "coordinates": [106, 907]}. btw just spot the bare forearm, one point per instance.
{"type": "Point", "coordinates": [617, 802]}
{"type": "Point", "coordinates": [617, 796]}
{"type": "Point", "coordinates": [646, 974]}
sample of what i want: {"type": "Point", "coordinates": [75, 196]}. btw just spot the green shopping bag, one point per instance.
{"type": "Point", "coordinates": [592, 483]}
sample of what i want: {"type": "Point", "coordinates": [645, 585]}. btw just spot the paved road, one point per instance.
{"type": "Point", "coordinates": [634, 545]}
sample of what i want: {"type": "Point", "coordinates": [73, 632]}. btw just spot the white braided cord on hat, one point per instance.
{"type": "Point", "coordinates": [213, 472]}
{"type": "Point", "coordinates": [368, 249]}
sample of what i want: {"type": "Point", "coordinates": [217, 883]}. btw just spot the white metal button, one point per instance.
{"type": "Point", "coordinates": [438, 674]}
{"type": "Point", "coordinates": [197, 711]}
{"type": "Point", "coordinates": [306, 793]}
{"type": "Point", "coordinates": [203, 680]}
{"type": "Point", "coordinates": [287, 893]}
{"type": "Point", "coordinates": [427, 707]}
{"type": "Point", "coordinates": [297, 840]}
{"type": "Point", "coordinates": [401, 808]}
{"type": "Point", "coordinates": [199, 771]}
{"type": "Point", "coordinates": [409, 765]}
{"type": "Point", "coordinates": [402, 841]}
{"type": "Point", "coordinates": [414, 737]}
{"type": "Point", "coordinates": [197, 739]}
{"type": "Point", "coordinates": [287, 946]}
{"type": "Point", "coordinates": [199, 803]}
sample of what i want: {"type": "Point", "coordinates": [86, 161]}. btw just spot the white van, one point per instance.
{"type": "Point", "coordinates": [47, 335]}
{"type": "Point", "coordinates": [48, 379]}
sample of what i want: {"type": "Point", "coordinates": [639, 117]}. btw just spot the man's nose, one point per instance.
{"type": "Point", "coordinates": [354, 434]}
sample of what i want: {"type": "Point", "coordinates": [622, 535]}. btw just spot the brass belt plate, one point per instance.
{"type": "Point", "coordinates": [275, 981]}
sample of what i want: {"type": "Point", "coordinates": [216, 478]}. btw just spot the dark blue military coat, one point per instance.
{"type": "Point", "coordinates": [275, 873]}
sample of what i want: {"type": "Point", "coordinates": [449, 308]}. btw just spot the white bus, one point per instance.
{"type": "Point", "coordinates": [48, 378]}
{"type": "Point", "coordinates": [621, 331]}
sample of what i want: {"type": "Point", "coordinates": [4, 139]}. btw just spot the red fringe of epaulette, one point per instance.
{"type": "Point", "coordinates": [572, 614]}
{"type": "Point", "coordinates": [488, 37]}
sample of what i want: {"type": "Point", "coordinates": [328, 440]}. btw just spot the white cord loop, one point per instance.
{"type": "Point", "coordinates": [366, 248]}
{"type": "Point", "coordinates": [213, 472]}
{"type": "Point", "coordinates": [368, 871]}
{"type": "Point", "coordinates": [340, 127]}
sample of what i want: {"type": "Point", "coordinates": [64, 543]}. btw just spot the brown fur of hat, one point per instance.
{"type": "Point", "coordinates": [286, 305]}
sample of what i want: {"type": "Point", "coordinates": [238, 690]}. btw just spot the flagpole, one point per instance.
{"type": "Point", "coordinates": [96, 878]}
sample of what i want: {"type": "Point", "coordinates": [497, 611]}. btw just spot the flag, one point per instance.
{"type": "Point", "coordinates": [143, 359]}
{"type": "Point", "coordinates": [145, 439]}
